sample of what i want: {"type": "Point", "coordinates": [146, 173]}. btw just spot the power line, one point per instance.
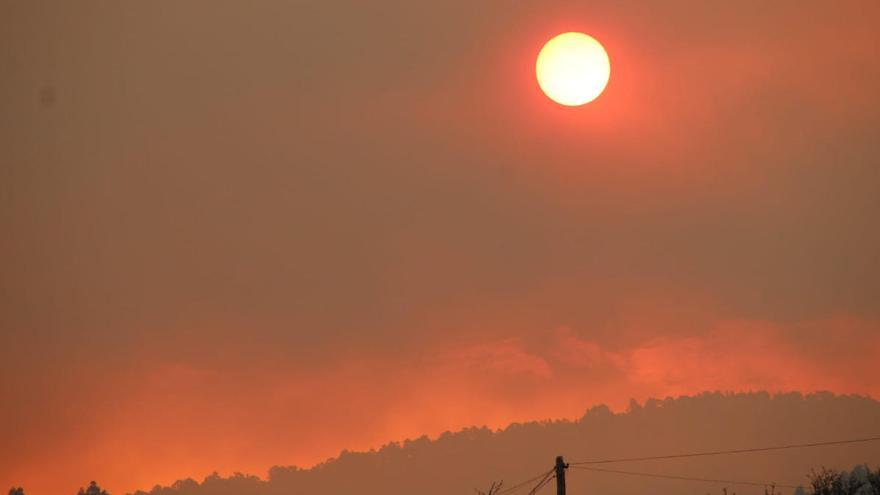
{"type": "Point", "coordinates": [726, 452]}
{"type": "Point", "coordinates": [545, 477]}
{"type": "Point", "coordinates": [521, 484]}
{"type": "Point", "coordinates": [542, 484]}
{"type": "Point", "coordinates": [683, 478]}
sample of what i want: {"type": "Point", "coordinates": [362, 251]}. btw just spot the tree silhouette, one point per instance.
{"type": "Point", "coordinates": [93, 489]}
{"type": "Point", "coordinates": [860, 481]}
{"type": "Point", "coordinates": [16, 491]}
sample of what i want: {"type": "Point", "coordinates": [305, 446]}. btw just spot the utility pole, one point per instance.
{"type": "Point", "coordinates": [560, 475]}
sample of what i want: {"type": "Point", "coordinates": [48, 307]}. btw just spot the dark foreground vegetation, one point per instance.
{"type": "Point", "coordinates": [861, 480]}
{"type": "Point", "coordinates": [456, 463]}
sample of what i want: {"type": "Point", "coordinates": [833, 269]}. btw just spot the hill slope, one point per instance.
{"type": "Point", "coordinates": [455, 463]}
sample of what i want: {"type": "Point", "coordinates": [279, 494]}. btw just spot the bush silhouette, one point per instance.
{"type": "Point", "coordinates": [93, 489]}
{"type": "Point", "coordinates": [860, 481]}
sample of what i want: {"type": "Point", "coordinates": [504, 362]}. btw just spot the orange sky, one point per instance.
{"type": "Point", "coordinates": [239, 236]}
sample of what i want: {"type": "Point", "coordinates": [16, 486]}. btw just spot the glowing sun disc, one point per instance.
{"type": "Point", "coordinates": [573, 69]}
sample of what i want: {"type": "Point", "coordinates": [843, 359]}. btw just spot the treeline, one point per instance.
{"type": "Point", "coordinates": [92, 489]}
{"type": "Point", "coordinates": [456, 463]}
{"type": "Point", "coordinates": [861, 480]}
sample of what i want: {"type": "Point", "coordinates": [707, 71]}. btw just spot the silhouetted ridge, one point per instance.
{"type": "Point", "coordinates": [474, 457]}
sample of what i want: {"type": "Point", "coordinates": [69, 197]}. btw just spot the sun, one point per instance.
{"type": "Point", "coordinates": [573, 69]}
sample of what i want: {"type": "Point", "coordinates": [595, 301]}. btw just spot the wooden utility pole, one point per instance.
{"type": "Point", "coordinates": [560, 475]}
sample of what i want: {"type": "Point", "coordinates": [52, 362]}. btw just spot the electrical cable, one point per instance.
{"type": "Point", "coordinates": [684, 478]}
{"type": "Point", "coordinates": [726, 452]}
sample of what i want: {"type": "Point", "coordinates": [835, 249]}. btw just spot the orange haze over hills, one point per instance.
{"type": "Point", "coordinates": [701, 423]}
{"type": "Point", "coordinates": [713, 422]}
{"type": "Point", "coordinates": [246, 234]}
{"type": "Point", "coordinates": [187, 421]}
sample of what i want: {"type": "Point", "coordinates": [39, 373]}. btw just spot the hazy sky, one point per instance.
{"type": "Point", "coordinates": [238, 234]}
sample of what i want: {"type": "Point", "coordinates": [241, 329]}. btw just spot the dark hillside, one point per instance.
{"type": "Point", "coordinates": [455, 463]}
